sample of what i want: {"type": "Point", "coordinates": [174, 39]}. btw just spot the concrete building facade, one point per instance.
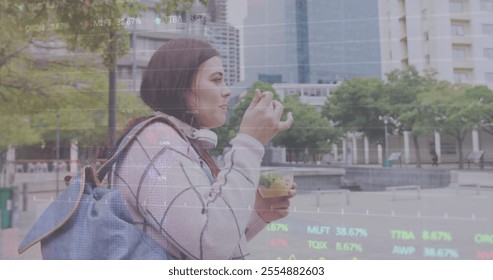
{"type": "Point", "coordinates": [204, 23]}
{"type": "Point", "coordinates": [312, 94]}
{"type": "Point", "coordinates": [454, 37]}
{"type": "Point", "coordinates": [226, 39]}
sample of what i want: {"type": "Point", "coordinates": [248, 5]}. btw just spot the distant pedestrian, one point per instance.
{"type": "Point", "coordinates": [434, 159]}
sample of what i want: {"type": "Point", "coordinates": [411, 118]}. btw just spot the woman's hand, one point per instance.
{"type": "Point", "coordinates": [275, 208]}
{"type": "Point", "coordinates": [262, 119]}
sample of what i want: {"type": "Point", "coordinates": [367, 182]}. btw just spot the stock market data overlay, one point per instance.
{"type": "Point", "coordinates": [443, 223]}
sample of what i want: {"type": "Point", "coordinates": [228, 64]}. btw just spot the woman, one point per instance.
{"type": "Point", "coordinates": [173, 188]}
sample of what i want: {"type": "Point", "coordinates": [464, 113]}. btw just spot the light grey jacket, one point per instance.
{"type": "Point", "coordinates": [169, 193]}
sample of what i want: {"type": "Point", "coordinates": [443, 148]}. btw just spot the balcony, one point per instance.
{"type": "Point", "coordinates": [464, 17]}
{"type": "Point", "coordinates": [461, 40]}
{"type": "Point", "coordinates": [462, 64]}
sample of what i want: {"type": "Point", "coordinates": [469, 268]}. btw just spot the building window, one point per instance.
{"type": "Point", "coordinates": [428, 59]}
{"type": "Point", "coordinates": [456, 6]}
{"type": "Point", "coordinates": [459, 53]}
{"type": "Point", "coordinates": [458, 29]}
{"type": "Point", "coordinates": [489, 77]}
{"type": "Point", "coordinates": [294, 92]}
{"type": "Point", "coordinates": [461, 76]}
{"type": "Point", "coordinates": [488, 53]}
{"type": "Point", "coordinates": [488, 29]}
{"type": "Point", "coordinates": [487, 5]}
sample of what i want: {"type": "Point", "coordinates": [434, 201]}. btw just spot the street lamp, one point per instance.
{"type": "Point", "coordinates": [385, 121]}
{"type": "Point", "coordinates": [57, 169]}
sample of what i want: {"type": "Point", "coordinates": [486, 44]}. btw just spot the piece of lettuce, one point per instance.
{"type": "Point", "coordinates": [267, 180]}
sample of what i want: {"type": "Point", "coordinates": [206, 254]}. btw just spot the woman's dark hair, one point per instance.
{"type": "Point", "coordinates": [169, 75]}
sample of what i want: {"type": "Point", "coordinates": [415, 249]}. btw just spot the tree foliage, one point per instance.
{"type": "Point", "coordinates": [235, 121]}
{"type": "Point", "coordinates": [484, 97]}
{"type": "Point", "coordinates": [455, 109]}
{"type": "Point", "coordinates": [40, 79]}
{"type": "Point", "coordinates": [310, 133]}
{"type": "Point", "coordinates": [16, 88]}
{"type": "Point", "coordinates": [231, 128]}
{"type": "Point", "coordinates": [84, 27]}
{"type": "Point", "coordinates": [403, 88]}
{"type": "Point", "coordinates": [97, 26]}
{"type": "Point", "coordinates": [356, 106]}
{"type": "Point", "coordinates": [415, 102]}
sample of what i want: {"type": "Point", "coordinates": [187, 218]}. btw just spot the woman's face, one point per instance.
{"type": "Point", "coordinates": [210, 95]}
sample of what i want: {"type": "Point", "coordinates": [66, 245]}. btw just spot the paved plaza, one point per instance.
{"type": "Point", "coordinates": [374, 225]}
{"type": "Point", "coordinates": [440, 223]}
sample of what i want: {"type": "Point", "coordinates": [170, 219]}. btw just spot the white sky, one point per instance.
{"type": "Point", "coordinates": [236, 12]}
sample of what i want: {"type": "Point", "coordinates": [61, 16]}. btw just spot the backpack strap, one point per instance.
{"type": "Point", "coordinates": [64, 206]}
{"type": "Point", "coordinates": [129, 138]}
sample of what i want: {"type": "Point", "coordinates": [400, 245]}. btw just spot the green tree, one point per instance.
{"type": "Point", "coordinates": [232, 126]}
{"type": "Point", "coordinates": [19, 90]}
{"type": "Point", "coordinates": [98, 27]}
{"type": "Point", "coordinates": [403, 88]}
{"type": "Point", "coordinates": [84, 116]}
{"type": "Point", "coordinates": [34, 89]}
{"type": "Point", "coordinates": [310, 134]}
{"type": "Point", "coordinates": [356, 106]}
{"type": "Point", "coordinates": [484, 97]}
{"type": "Point", "coordinates": [77, 97]}
{"type": "Point", "coordinates": [454, 109]}
{"type": "Point", "coordinates": [235, 120]}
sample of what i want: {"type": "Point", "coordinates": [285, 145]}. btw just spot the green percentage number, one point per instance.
{"type": "Point", "coordinates": [349, 247]}
{"type": "Point", "coordinates": [436, 235]}
{"type": "Point", "coordinates": [278, 227]}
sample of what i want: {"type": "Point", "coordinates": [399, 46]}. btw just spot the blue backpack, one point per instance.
{"type": "Point", "coordinates": [87, 221]}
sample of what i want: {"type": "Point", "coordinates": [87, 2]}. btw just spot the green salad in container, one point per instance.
{"type": "Point", "coordinates": [275, 184]}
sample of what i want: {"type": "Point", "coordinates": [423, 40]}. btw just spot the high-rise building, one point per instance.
{"type": "Point", "coordinates": [152, 30]}
{"type": "Point", "coordinates": [454, 37]}
{"type": "Point", "coordinates": [225, 38]}
{"type": "Point", "coordinates": [217, 11]}
{"type": "Point", "coordinates": [311, 41]}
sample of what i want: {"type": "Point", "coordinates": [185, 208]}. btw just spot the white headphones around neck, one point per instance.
{"type": "Point", "coordinates": [204, 138]}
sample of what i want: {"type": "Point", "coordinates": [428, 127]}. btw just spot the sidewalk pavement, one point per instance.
{"type": "Point", "coordinates": [377, 211]}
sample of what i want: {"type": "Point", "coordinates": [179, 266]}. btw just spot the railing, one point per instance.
{"type": "Point", "coordinates": [41, 165]}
